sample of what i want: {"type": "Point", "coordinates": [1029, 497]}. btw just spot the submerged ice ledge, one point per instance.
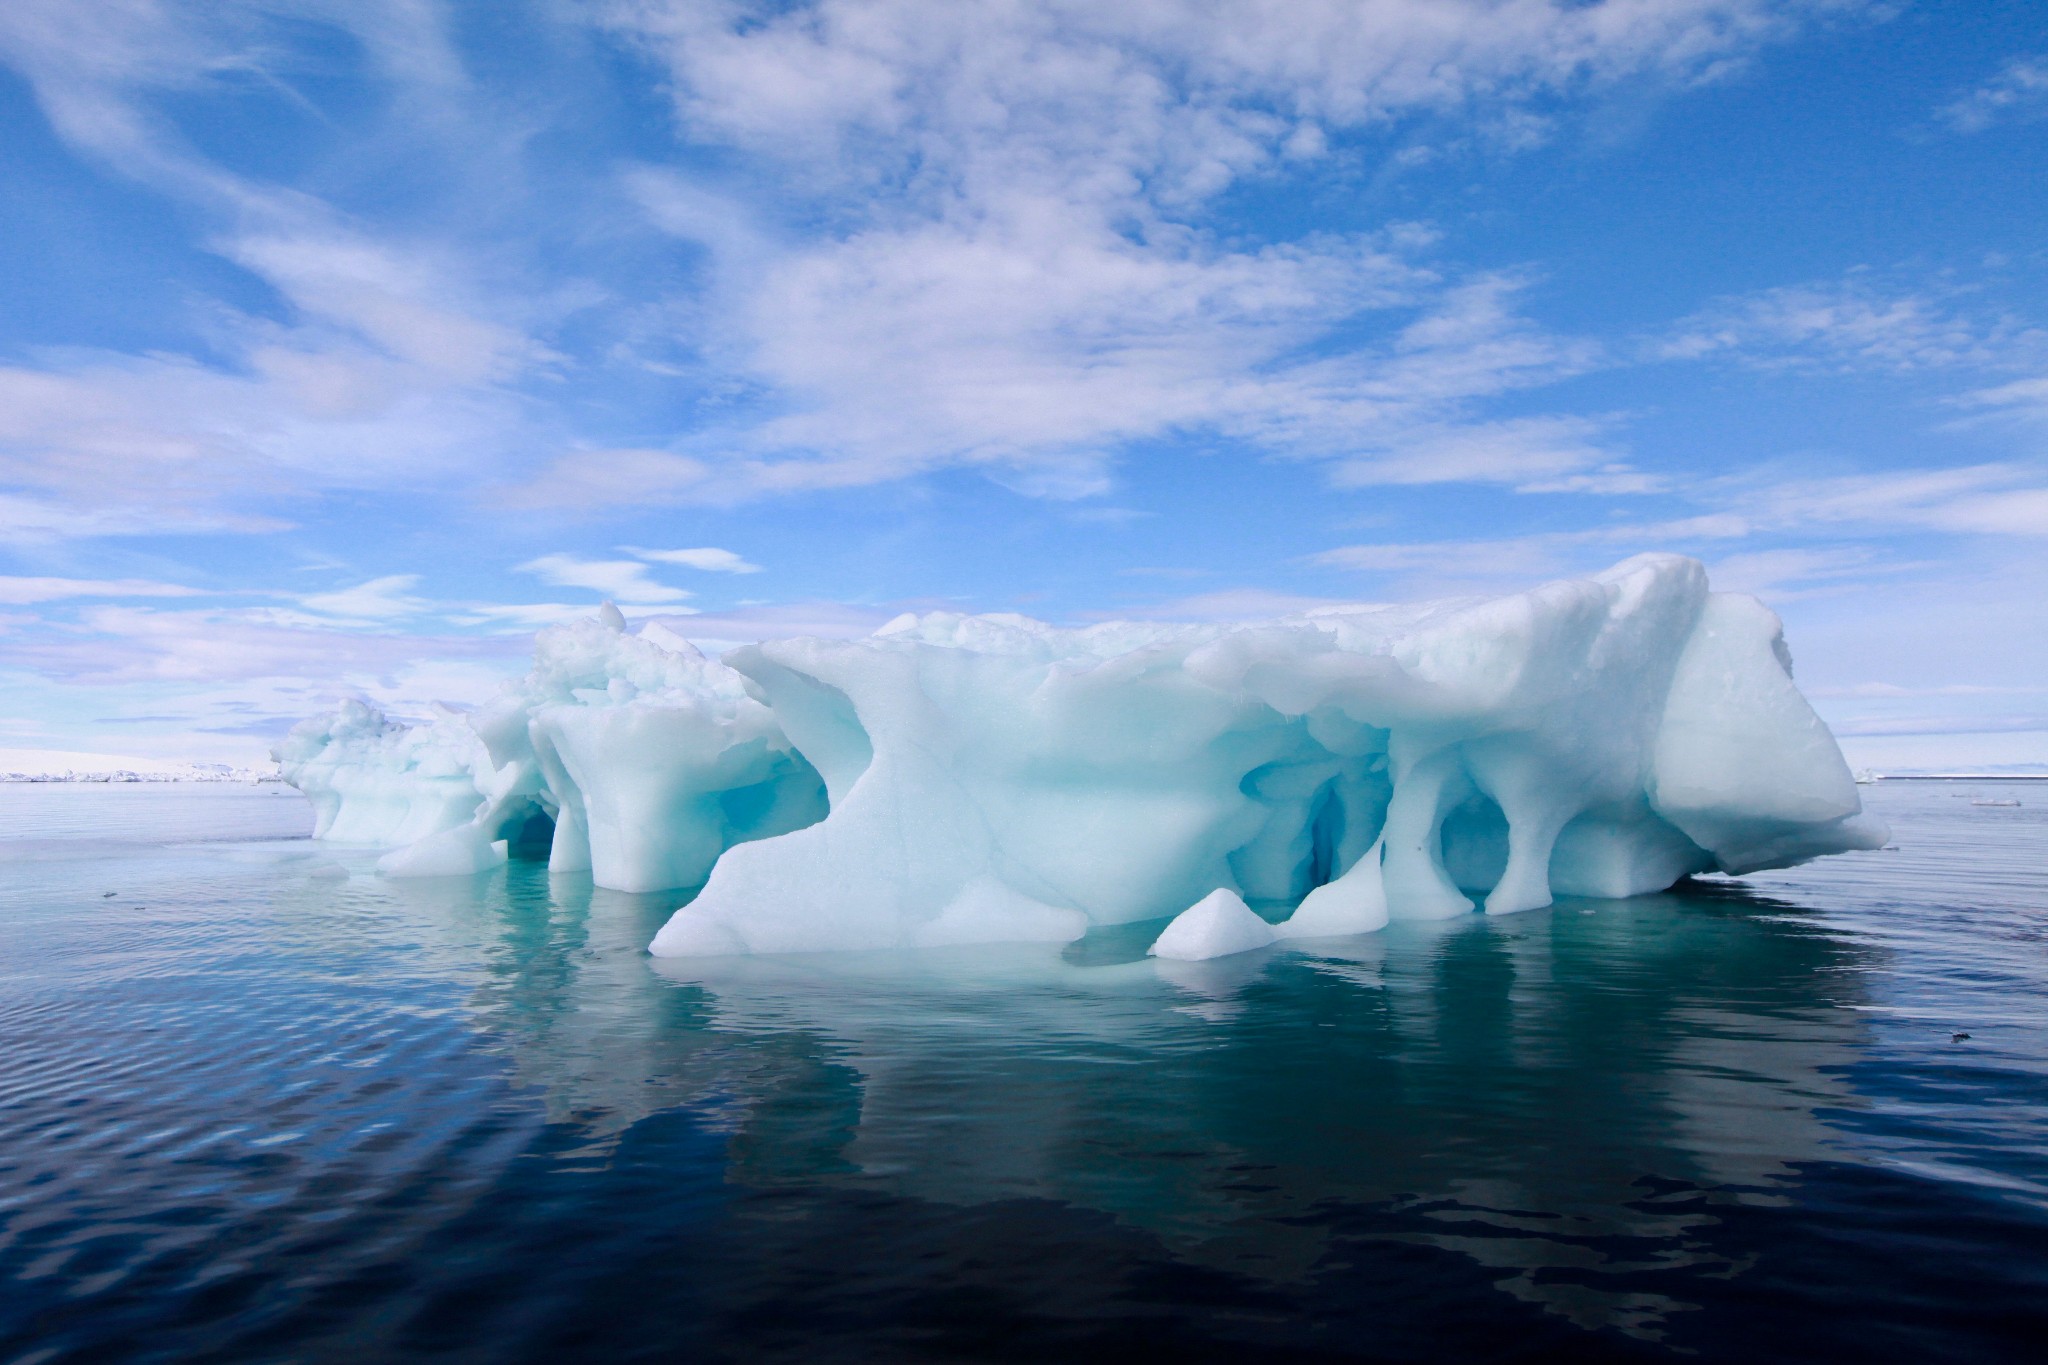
{"type": "Point", "coordinates": [967, 779]}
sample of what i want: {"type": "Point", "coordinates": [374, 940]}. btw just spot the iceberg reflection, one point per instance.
{"type": "Point", "coordinates": [1563, 1097]}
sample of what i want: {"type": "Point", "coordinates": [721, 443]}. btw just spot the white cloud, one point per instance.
{"type": "Point", "coordinates": [1194, 91]}
{"type": "Point", "coordinates": [2024, 401]}
{"type": "Point", "coordinates": [719, 630]}
{"type": "Point", "coordinates": [2013, 512]}
{"type": "Point", "coordinates": [1524, 556]}
{"type": "Point", "coordinates": [1541, 454]}
{"type": "Point", "coordinates": [1230, 604]}
{"type": "Point", "coordinates": [1530, 556]}
{"type": "Point", "coordinates": [33, 519]}
{"type": "Point", "coordinates": [390, 365]}
{"type": "Point", "coordinates": [593, 480]}
{"type": "Point", "coordinates": [131, 644]}
{"type": "Point", "coordinates": [1763, 571]}
{"type": "Point", "coordinates": [25, 591]}
{"type": "Point", "coordinates": [526, 616]}
{"type": "Point", "coordinates": [1851, 324]}
{"type": "Point", "coordinates": [90, 65]}
{"type": "Point", "coordinates": [100, 443]}
{"type": "Point", "coordinates": [1000, 262]}
{"type": "Point", "coordinates": [1012, 276]}
{"type": "Point", "coordinates": [1890, 690]}
{"type": "Point", "coordinates": [622, 580]}
{"type": "Point", "coordinates": [1968, 723]}
{"type": "Point", "coordinates": [1995, 498]}
{"type": "Point", "coordinates": [2017, 94]}
{"type": "Point", "coordinates": [1988, 499]}
{"type": "Point", "coordinates": [380, 599]}
{"type": "Point", "coordinates": [708, 558]}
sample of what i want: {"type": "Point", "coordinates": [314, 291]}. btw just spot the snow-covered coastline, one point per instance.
{"type": "Point", "coordinates": [86, 766]}
{"type": "Point", "coordinates": [198, 772]}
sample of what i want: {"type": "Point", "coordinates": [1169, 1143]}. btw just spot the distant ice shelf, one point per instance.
{"type": "Point", "coordinates": [967, 779]}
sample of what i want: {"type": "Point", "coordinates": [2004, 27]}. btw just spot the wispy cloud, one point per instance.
{"type": "Point", "coordinates": [717, 630]}
{"type": "Point", "coordinates": [1229, 604]}
{"type": "Point", "coordinates": [375, 383]}
{"type": "Point", "coordinates": [1016, 278]}
{"type": "Point", "coordinates": [1966, 723]}
{"type": "Point", "coordinates": [110, 645]}
{"type": "Point", "coordinates": [388, 362]}
{"type": "Point", "coordinates": [2025, 400]}
{"type": "Point", "coordinates": [602, 480]}
{"type": "Point", "coordinates": [1544, 553]}
{"type": "Point", "coordinates": [380, 599]}
{"type": "Point", "coordinates": [708, 558]}
{"type": "Point", "coordinates": [956, 236]}
{"type": "Point", "coordinates": [623, 580]}
{"type": "Point", "coordinates": [1853, 324]}
{"type": "Point", "coordinates": [2017, 94]}
{"type": "Point", "coordinates": [1995, 498]}
{"type": "Point", "coordinates": [518, 617]}
{"type": "Point", "coordinates": [26, 591]}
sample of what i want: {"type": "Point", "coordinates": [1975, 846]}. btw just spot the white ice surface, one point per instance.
{"type": "Point", "coordinates": [1218, 925]}
{"type": "Point", "coordinates": [959, 779]}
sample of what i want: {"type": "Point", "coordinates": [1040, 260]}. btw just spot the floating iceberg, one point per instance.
{"type": "Point", "coordinates": [371, 781]}
{"type": "Point", "coordinates": [631, 757]}
{"type": "Point", "coordinates": [960, 779]}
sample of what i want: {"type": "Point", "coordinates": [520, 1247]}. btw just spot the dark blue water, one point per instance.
{"type": "Point", "coordinates": [261, 1105]}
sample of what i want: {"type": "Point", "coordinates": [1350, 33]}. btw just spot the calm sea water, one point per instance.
{"type": "Point", "coordinates": [258, 1104]}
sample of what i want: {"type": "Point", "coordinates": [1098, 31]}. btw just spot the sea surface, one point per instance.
{"type": "Point", "coordinates": [259, 1104]}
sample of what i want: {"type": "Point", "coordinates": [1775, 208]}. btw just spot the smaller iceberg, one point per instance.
{"type": "Point", "coordinates": [961, 779]}
{"type": "Point", "coordinates": [1218, 925]}
{"type": "Point", "coordinates": [631, 757]}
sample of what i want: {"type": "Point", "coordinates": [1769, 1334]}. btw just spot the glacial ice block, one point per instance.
{"type": "Point", "coordinates": [1218, 925]}
{"type": "Point", "coordinates": [371, 781]}
{"type": "Point", "coordinates": [957, 779]}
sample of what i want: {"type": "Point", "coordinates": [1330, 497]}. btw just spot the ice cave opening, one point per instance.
{"type": "Point", "coordinates": [528, 832]}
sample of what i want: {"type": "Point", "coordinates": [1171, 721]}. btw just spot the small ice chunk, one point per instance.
{"type": "Point", "coordinates": [1217, 925]}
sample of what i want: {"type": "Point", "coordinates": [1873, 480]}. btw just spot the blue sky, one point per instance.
{"type": "Point", "coordinates": [343, 342]}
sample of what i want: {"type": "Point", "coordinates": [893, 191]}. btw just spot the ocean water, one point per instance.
{"type": "Point", "coordinates": [258, 1104]}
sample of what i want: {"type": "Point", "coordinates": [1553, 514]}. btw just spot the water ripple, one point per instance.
{"type": "Point", "coordinates": [260, 1104]}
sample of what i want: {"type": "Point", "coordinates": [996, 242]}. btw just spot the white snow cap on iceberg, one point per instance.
{"type": "Point", "coordinates": [960, 778]}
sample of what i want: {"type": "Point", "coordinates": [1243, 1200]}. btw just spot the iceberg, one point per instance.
{"type": "Point", "coordinates": [371, 781]}
{"type": "Point", "coordinates": [956, 779]}
{"type": "Point", "coordinates": [631, 757]}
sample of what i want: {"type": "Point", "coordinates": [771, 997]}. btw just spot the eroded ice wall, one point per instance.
{"type": "Point", "coordinates": [1005, 779]}
{"type": "Point", "coordinates": [992, 778]}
